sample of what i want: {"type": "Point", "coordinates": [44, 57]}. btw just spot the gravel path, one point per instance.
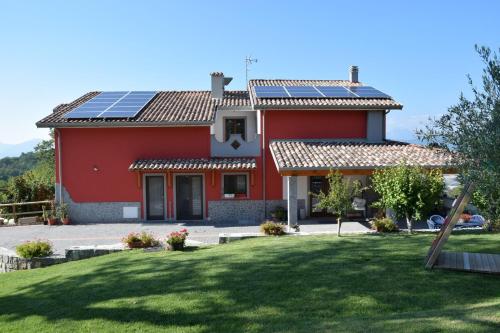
{"type": "Point", "coordinates": [111, 233]}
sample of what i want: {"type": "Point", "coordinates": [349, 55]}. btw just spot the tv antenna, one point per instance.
{"type": "Point", "coordinates": [248, 61]}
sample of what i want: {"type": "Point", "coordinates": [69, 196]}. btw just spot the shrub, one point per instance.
{"type": "Point", "coordinates": [272, 228]}
{"type": "Point", "coordinates": [140, 240]}
{"type": "Point", "coordinates": [37, 248]}
{"type": "Point", "coordinates": [279, 213]}
{"type": "Point", "coordinates": [384, 225]}
{"type": "Point", "coordinates": [177, 239]}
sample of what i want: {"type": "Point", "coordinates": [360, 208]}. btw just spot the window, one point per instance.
{"type": "Point", "coordinates": [235, 126]}
{"type": "Point", "coordinates": [235, 186]}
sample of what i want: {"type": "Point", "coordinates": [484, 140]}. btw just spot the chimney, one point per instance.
{"type": "Point", "coordinates": [353, 74]}
{"type": "Point", "coordinates": [218, 83]}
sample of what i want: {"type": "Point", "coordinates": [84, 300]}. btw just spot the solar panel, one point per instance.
{"type": "Point", "coordinates": [303, 91]}
{"type": "Point", "coordinates": [368, 92]}
{"type": "Point", "coordinates": [113, 104]}
{"type": "Point", "coordinates": [270, 91]}
{"type": "Point", "coordinates": [318, 92]}
{"type": "Point", "coordinates": [332, 91]}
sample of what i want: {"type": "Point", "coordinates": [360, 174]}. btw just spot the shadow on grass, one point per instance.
{"type": "Point", "coordinates": [277, 284]}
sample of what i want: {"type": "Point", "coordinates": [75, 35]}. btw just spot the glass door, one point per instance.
{"type": "Point", "coordinates": [316, 185]}
{"type": "Point", "coordinates": [189, 197]}
{"type": "Point", "coordinates": [155, 198]}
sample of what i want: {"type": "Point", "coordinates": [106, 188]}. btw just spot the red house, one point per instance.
{"type": "Point", "coordinates": [221, 155]}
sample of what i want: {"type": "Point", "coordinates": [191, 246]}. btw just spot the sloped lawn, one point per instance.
{"type": "Point", "coordinates": [290, 284]}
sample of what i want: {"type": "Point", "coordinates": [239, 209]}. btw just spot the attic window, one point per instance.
{"type": "Point", "coordinates": [234, 126]}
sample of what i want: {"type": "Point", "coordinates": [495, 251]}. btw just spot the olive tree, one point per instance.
{"type": "Point", "coordinates": [471, 130]}
{"type": "Point", "coordinates": [410, 191]}
{"type": "Point", "coordinates": [339, 197]}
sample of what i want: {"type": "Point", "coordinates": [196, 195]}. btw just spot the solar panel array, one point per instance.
{"type": "Point", "coordinates": [113, 104]}
{"type": "Point", "coordinates": [318, 92]}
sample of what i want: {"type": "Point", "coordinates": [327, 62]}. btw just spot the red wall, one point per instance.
{"type": "Point", "coordinates": [112, 150]}
{"type": "Point", "coordinates": [306, 124]}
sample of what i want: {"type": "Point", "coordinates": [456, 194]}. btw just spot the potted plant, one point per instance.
{"type": "Point", "coordinates": [177, 240]}
{"type": "Point", "coordinates": [133, 241]}
{"type": "Point", "coordinates": [51, 218]}
{"type": "Point", "coordinates": [62, 213]}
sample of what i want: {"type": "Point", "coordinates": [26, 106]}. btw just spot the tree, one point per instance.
{"type": "Point", "coordinates": [471, 130]}
{"type": "Point", "coordinates": [45, 152]}
{"type": "Point", "coordinates": [339, 197]}
{"type": "Point", "coordinates": [410, 191]}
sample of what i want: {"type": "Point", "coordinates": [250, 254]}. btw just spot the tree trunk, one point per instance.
{"type": "Point", "coordinates": [338, 226]}
{"type": "Point", "coordinates": [409, 224]}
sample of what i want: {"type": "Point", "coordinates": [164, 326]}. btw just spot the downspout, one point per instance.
{"type": "Point", "coordinates": [59, 165]}
{"type": "Point", "coordinates": [264, 162]}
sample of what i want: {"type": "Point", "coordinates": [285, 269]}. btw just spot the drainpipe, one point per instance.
{"type": "Point", "coordinates": [59, 163]}
{"type": "Point", "coordinates": [264, 162]}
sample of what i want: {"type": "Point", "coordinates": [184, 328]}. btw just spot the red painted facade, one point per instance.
{"type": "Point", "coordinates": [95, 161]}
{"type": "Point", "coordinates": [306, 124]}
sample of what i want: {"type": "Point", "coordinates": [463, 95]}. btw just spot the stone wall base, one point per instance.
{"type": "Point", "coordinates": [245, 211]}
{"type": "Point", "coordinates": [99, 212]}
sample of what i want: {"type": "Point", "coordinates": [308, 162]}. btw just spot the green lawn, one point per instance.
{"type": "Point", "coordinates": [289, 284]}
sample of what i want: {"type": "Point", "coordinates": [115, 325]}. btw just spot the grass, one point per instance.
{"type": "Point", "coordinates": [288, 284]}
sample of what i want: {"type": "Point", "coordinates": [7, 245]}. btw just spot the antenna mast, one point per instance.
{"type": "Point", "coordinates": [248, 61]}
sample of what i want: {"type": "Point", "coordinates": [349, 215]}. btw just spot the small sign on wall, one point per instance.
{"type": "Point", "coordinates": [130, 212]}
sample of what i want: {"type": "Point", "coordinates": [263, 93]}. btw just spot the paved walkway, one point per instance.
{"type": "Point", "coordinates": [111, 233]}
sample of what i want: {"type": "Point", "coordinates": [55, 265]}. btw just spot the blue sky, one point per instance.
{"type": "Point", "coordinates": [419, 52]}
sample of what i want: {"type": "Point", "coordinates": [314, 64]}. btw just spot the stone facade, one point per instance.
{"type": "Point", "coordinates": [91, 212]}
{"type": "Point", "coordinates": [244, 211]}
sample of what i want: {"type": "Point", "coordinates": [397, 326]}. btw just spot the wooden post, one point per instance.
{"type": "Point", "coordinates": [213, 178]}
{"type": "Point", "coordinates": [139, 180]}
{"type": "Point", "coordinates": [252, 181]}
{"type": "Point", "coordinates": [169, 182]}
{"type": "Point", "coordinates": [14, 212]}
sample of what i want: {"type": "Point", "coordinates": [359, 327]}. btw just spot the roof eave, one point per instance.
{"type": "Point", "coordinates": [121, 124]}
{"type": "Point", "coordinates": [328, 107]}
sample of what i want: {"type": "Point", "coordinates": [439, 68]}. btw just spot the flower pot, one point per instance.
{"type": "Point", "coordinates": [177, 246]}
{"type": "Point", "coordinates": [52, 221]}
{"type": "Point", "coordinates": [66, 221]}
{"type": "Point", "coordinates": [135, 245]}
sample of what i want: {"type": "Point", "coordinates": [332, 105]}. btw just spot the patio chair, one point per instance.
{"type": "Point", "coordinates": [435, 221]}
{"type": "Point", "coordinates": [359, 204]}
{"type": "Point", "coordinates": [477, 220]}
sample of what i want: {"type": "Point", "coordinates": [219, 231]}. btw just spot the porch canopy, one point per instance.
{"type": "Point", "coordinates": [186, 164]}
{"type": "Point", "coordinates": [192, 164]}
{"type": "Point", "coordinates": [317, 157]}
{"type": "Point", "coordinates": [313, 157]}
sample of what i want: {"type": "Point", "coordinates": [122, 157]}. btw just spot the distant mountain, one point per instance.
{"type": "Point", "coordinates": [15, 150]}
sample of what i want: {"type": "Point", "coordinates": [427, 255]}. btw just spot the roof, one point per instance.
{"type": "Point", "coordinates": [166, 108]}
{"type": "Point", "coordinates": [317, 103]}
{"type": "Point", "coordinates": [194, 164]}
{"type": "Point", "coordinates": [290, 155]}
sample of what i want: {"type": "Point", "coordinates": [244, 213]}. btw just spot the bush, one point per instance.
{"type": "Point", "coordinates": [34, 249]}
{"type": "Point", "coordinates": [177, 239]}
{"type": "Point", "coordinates": [384, 225]}
{"type": "Point", "coordinates": [272, 228]}
{"type": "Point", "coordinates": [279, 213]}
{"type": "Point", "coordinates": [140, 240]}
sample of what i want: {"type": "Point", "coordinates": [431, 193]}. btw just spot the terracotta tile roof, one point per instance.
{"type": "Point", "coordinates": [317, 103]}
{"type": "Point", "coordinates": [194, 164]}
{"type": "Point", "coordinates": [329, 154]}
{"type": "Point", "coordinates": [167, 108]}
